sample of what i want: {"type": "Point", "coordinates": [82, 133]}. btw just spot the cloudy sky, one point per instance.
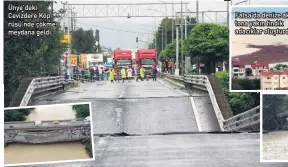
{"type": "Point", "coordinates": [122, 32]}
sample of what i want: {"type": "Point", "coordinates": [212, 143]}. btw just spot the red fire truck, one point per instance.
{"type": "Point", "coordinates": [146, 58]}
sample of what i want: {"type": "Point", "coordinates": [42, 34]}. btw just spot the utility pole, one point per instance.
{"type": "Point", "coordinates": [197, 12]}
{"type": "Point", "coordinates": [162, 33]}
{"type": "Point", "coordinates": [185, 21]}
{"type": "Point", "coordinates": [155, 35]}
{"type": "Point", "coordinates": [228, 14]}
{"type": "Point", "coordinates": [166, 21]}
{"type": "Point", "coordinates": [177, 51]}
{"type": "Point", "coordinates": [172, 21]}
{"type": "Point", "coordinates": [182, 69]}
{"type": "Point", "coordinates": [72, 20]}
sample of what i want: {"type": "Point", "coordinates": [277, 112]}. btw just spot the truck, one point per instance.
{"type": "Point", "coordinates": [91, 60]}
{"type": "Point", "coordinates": [146, 58]}
{"type": "Point", "coordinates": [122, 58]}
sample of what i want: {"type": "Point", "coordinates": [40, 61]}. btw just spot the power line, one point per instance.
{"type": "Point", "coordinates": [115, 29]}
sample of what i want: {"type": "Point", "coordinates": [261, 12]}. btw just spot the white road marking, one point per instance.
{"type": "Point", "coordinates": [173, 88]}
{"type": "Point", "coordinates": [196, 114]}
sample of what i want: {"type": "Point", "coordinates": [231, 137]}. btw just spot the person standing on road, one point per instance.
{"type": "Point", "coordinates": [142, 73]}
{"type": "Point", "coordinates": [154, 72]}
{"type": "Point", "coordinates": [112, 74]}
{"type": "Point", "coordinates": [129, 72]}
{"type": "Point", "coordinates": [138, 74]}
{"type": "Point", "coordinates": [123, 74]}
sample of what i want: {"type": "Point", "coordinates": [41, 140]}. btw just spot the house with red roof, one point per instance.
{"type": "Point", "coordinates": [274, 79]}
{"type": "Point", "coordinates": [259, 67]}
{"type": "Point", "coordinates": [238, 69]}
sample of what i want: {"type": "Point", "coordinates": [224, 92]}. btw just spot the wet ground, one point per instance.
{"type": "Point", "coordinates": [275, 145]}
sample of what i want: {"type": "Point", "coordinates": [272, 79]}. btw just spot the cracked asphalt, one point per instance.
{"type": "Point", "coordinates": [147, 108]}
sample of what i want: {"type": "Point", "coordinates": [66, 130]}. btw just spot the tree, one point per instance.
{"type": "Point", "coordinates": [170, 52]}
{"type": "Point", "coordinates": [239, 102]}
{"type": "Point", "coordinates": [29, 55]}
{"type": "Point", "coordinates": [167, 22]}
{"type": "Point", "coordinates": [97, 38]}
{"type": "Point", "coordinates": [82, 111]}
{"type": "Point", "coordinates": [208, 42]}
{"type": "Point", "coordinates": [278, 66]}
{"type": "Point", "coordinates": [272, 106]}
{"type": "Point", "coordinates": [248, 71]}
{"type": "Point", "coordinates": [83, 41]}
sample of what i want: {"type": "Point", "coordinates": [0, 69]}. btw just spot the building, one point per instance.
{"type": "Point", "coordinates": [274, 80]}
{"type": "Point", "coordinates": [238, 69]}
{"type": "Point", "coordinates": [259, 67]}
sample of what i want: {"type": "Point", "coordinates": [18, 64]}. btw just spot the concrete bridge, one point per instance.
{"type": "Point", "coordinates": [161, 124]}
{"type": "Point", "coordinates": [26, 132]}
{"type": "Point", "coordinates": [45, 125]}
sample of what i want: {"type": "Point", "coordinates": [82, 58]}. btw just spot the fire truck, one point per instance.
{"type": "Point", "coordinates": [146, 58]}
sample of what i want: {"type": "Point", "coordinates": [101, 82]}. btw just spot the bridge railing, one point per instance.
{"type": "Point", "coordinates": [244, 120]}
{"type": "Point", "coordinates": [241, 121]}
{"type": "Point", "coordinates": [38, 86]}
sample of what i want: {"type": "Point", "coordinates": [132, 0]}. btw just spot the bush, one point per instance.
{"type": "Point", "coordinates": [221, 74]}
{"type": "Point", "coordinates": [82, 111]}
{"type": "Point", "coordinates": [245, 84]}
{"type": "Point", "coordinates": [239, 102]}
{"type": "Point", "coordinates": [14, 115]}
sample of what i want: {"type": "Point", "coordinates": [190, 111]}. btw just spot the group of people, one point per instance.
{"type": "Point", "coordinates": [124, 74]}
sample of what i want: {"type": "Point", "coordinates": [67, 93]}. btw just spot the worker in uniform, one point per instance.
{"type": "Point", "coordinates": [138, 74]}
{"type": "Point", "coordinates": [112, 74]}
{"type": "Point", "coordinates": [129, 74]}
{"type": "Point", "coordinates": [123, 74]}
{"type": "Point", "coordinates": [142, 73]}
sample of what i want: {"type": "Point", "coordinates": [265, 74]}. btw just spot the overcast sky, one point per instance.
{"type": "Point", "coordinates": [122, 32]}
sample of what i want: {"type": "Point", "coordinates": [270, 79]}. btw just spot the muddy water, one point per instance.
{"type": "Point", "coordinates": [29, 153]}
{"type": "Point", "coordinates": [275, 145]}
{"type": "Point", "coordinates": [51, 113]}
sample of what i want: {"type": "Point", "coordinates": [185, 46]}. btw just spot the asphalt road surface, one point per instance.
{"type": "Point", "coordinates": [186, 150]}
{"type": "Point", "coordinates": [148, 108]}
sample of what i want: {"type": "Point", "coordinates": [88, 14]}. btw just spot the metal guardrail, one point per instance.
{"type": "Point", "coordinates": [43, 84]}
{"type": "Point", "coordinates": [241, 121]}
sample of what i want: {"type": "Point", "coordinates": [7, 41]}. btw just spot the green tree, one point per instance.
{"type": "Point", "coordinates": [83, 41]}
{"type": "Point", "coordinates": [170, 51]}
{"type": "Point", "coordinates": [13, 115]}
{"type": "Point", "coordinates": [208, 43]}
{"type": "Point", "coordinates": [82, 111]}
{"type": "Point", "coordinates": [278, 66]}
{"type": "Point", "coordinates": [29, 56]}
{"type": "Point", "coordinates": [239, 102]}
{"type": "Point", "coordinates": [167, 37]}
{"type": "Point", "coordinates": [272, 106]}
{"type": "Point", "coordinates": [248, 71]}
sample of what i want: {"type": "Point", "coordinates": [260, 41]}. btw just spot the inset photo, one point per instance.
{"type": "Point", "coordinates": [258, 48]}
{"type": "Point", "coordinates": [44, 134]}
{"type": "Point", "coordinates": [274, 128]}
